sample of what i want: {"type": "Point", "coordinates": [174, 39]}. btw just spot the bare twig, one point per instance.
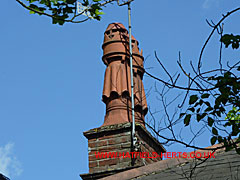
{"type": "Point", "coordinates": [209, 37]}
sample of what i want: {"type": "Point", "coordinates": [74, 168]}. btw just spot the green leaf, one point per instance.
{"type": "Point", "coordinates": [54, 2]}
{"type": "Point", "coordinates": [210, 121]}
{"type": "Point", "coordinates": [201, 116]}
{"type": "Point", "coordinates": [201, 102]}
{"type": "Point", "coordinates": [68, 10]}
{"type": "Point", "coordinates": [45, 2]}
{"type": "Point", "coordinates": [210, 78]}
{"type": "Point", "coordinates": [187, 119]}
{"type": "Point", "coordinates": [191, 109]}
{"type": "Point", "coordinates": [98, 18]}
{"type": "Point", "coordinates": [70, 1]}
{"type": "Point", "coordinates": [33, 6]}
{"type": "Point", "coordinates": [227, 124]}
{"type": "Point", "coordinates": [206, 95]}
{"type": "Point", "coordinates": [214, 131]}
{"type": "Point", "coordinates": [218, 113]}
{"type": "Point", "coordinates": [235, 130]}
{"type": "Point", "coordinates": [198, 117]}
{"type": "Point", "coordinates": [220, 139]}
{"type": "Point", "coordinates": [31, 1]}
{"type": "Point", "coordinates": [97, 12]}
{"type": "Point", "coordinates": [213, 140]}
{"type": "Point", "coordinates": [58, 20]}
{"type": "Point", "coordinates": [228, 39]}
{"type": "Point", "coordinates": [61, 22]}
{"type": "Point", "coordinates": [96, 0]}
{"type": "Point", "coordinates": [235, 45]}
{"type": "Point", "coordinates": [85, 3]}
{"type": "Point", "coordinates": [181, 115]}
{"type": "Point", "coordinates": [100, 13]}
{"type": "Point", "coordinates": [198, 110]}
{"type": "Point", "coordinates": [31, 12]}
{"type": "Point", "coordinates": [208, 109]}
{"type": "Point", "coordinates": [193, 99]}
{"type": "Point", "coordinates": [207, 103]}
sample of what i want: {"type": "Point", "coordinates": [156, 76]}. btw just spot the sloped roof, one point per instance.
{"type": "Point", "coordinates": [225, 166]}
{"type": "Point", "coordinates": [2, 177]}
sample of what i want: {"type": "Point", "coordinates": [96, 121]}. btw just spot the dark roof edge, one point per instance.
{"type": "Point", "coordinates": [158, 166]}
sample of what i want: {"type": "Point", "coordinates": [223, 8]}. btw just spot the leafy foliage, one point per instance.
{"type": "Point", "coordinates": [228, 39]}
{"type": "Point", "coordinates": [227, 94]}
{"type": "Point", "coordinates": [62, 11]}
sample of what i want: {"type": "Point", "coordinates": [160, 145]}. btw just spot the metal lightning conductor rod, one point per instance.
{"type": "Point", "coordinates": [134, 139]}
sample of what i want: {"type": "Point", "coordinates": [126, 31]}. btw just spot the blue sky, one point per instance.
{"type": "Point", "coordinates": [51, 77]}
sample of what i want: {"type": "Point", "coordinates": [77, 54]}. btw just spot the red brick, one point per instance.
{"type": "Point", "coordinates": [93, 152]}
{"type": "Point", "coordinates": [124, 139]}
{"type": "Point", "coordinates": [126, 145]}
{"type": "Point", "coordinates": [109, 148]}
{"type": "Point", "coordinates": [92, 158]}
{"type": "Point", "coordinates": [106, 137]}
{"type": "Point", "coordinates": [102, 143]}
{"type": "Point", "coordinates": [93, 164]}
{"type": "Point", "coordinates": [92, 145]}
{"type": "Point", "coordinates": [91, 140]}
{"type": "Point", "coordinates": [91, 170]}
{"type": "Point", "coordinates": [108, 162]}
{"type": "Point", "coordinates": [97, 144]}
{"type": "Point", "coordinates": [111, 141]}
{"type": "Point", "coordinates": [150, 149]}
{"type": "Point", "coordinates": [126, 133]}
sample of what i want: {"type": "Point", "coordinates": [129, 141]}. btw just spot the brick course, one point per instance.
{"type": "Point", "coordinates": [118, 139]}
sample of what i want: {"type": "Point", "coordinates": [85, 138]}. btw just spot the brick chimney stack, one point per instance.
{"type": "Point", "coordinates": [114, 135]}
